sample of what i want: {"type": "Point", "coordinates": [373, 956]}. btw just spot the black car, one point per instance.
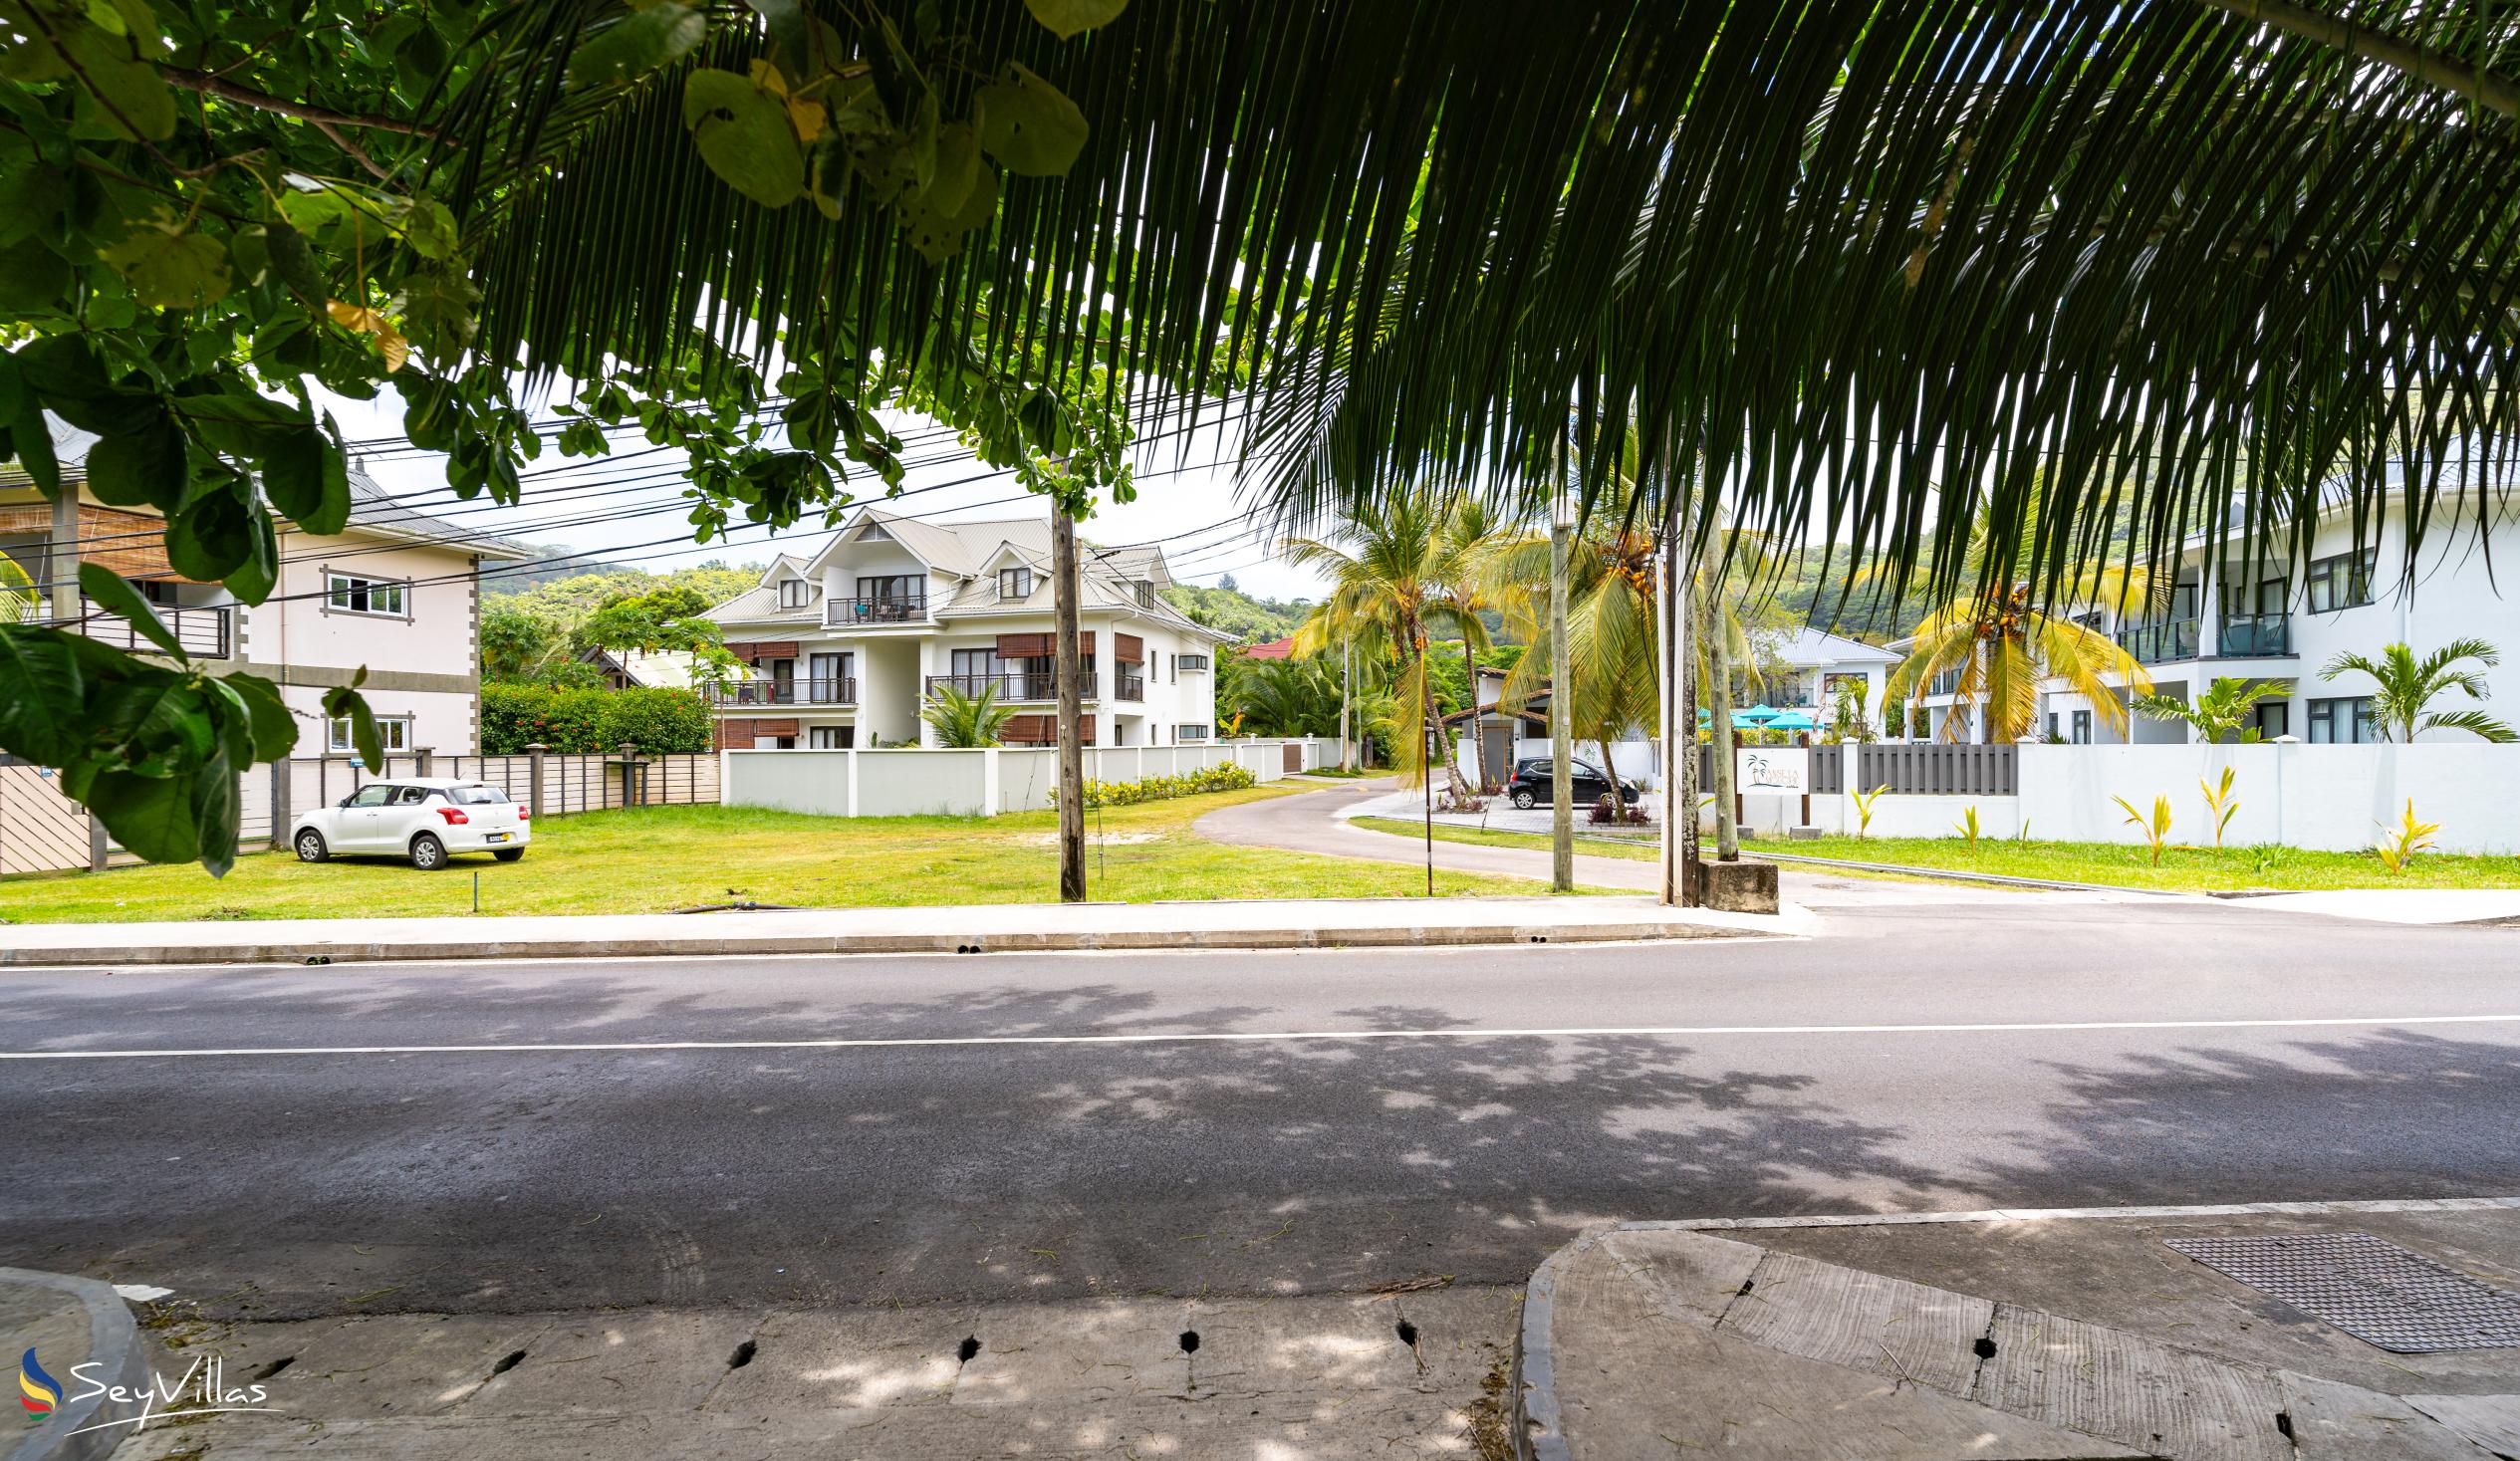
{"type": "Point", "coordinates": [1531, 785]}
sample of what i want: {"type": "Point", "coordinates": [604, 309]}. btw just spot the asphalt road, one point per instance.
{"type": "Point", "coordinates": [1040, 1126]}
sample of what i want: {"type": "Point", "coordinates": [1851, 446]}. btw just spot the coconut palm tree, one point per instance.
{"type": "Point", "coordinates": [2222, 710]}
{"type": "Point", "coordinates": [2406, 688]}
{"type": "Point", "coordinates": [1397, 579]}
{"type": "Point", "coordinates": [965, 722]}
{"type": "Point", "coordinates": [2002, 639]}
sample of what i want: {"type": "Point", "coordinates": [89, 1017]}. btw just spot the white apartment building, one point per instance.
{"type": "Point", "coordinates": [2281, 622]}
{"type": "Point", "coordinates": [392, 593]}
{"type": "Point", "coordinates": [847, 647]}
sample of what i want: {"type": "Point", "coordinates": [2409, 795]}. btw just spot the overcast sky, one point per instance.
{"type": "Point", "coordinates": [1184, 498]}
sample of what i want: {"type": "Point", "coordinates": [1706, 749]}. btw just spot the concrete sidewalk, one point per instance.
{"type": "Point", "coordinates": [1415, 1373]}
{"type": "Point", "coordinates": [2058, 1334]}
{"type": "Point", "coordinates": [990, 928]}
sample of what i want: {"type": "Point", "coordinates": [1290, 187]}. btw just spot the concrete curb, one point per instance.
{"type": "Point", "coordinates": [1398, 935]}
{"type": "Point", "coordinates": [1947, 875]}
{"type": "Point", "coordinates": [114, 1342]}
{"type": "Point", "coordinates": [1537, 1422]}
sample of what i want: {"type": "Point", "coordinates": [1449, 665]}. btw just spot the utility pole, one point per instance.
{"type": "Point", "coordinates": [1680, 710]}
{"type": "Point", "coordinates": [1069, 669]}
{"type": "Point", "coordinates": [1561, 704]}
{"type": "Point", "coordinates": [1347, 689]}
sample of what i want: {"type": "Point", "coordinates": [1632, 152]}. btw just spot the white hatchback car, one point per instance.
{"type": "Point", "coordinates": [422, 818]}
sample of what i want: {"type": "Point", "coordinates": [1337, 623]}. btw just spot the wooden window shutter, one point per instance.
{"type": "Point", "coordinates": [1132, 649]}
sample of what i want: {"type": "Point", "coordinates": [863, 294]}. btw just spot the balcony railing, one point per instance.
{"type": "Point", "coordinates": [204, 632]}
{"type": "Point", "coordinates": [2153, 642]}
{"type": "Point", "coordinates": [1006, 687]}
{"type": "Point", "coordinates": [2250, 636]}
{"type": "Point", "coordinates": [784, 692]}
{"type": "Point", "coordinates": [876, 610]}
{"type": "Point", "coordinates": [1130, 687]}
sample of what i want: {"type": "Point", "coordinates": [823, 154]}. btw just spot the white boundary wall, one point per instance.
{"type": "Point", "coordinates": [2323, 798]}
{"type": "Point", "coordinates": [909, 782]}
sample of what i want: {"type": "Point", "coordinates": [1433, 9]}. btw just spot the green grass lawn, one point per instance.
{"type": "Point", "coordinates": [654, 860]}
{"type": "Point", "coordinates": [2191, 869]}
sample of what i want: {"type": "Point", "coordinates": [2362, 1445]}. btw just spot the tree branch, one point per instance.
{"type": "Point", "coordinates": [2432, 68]}
{"type": "Point", "coordinates": [208, 85]}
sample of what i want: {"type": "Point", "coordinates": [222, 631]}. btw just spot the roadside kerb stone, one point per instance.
{"type": "Point", "coordinates": [70, 1322]}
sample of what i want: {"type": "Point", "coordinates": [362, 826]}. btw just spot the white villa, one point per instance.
{"type": "Point", "coordinates": [847, 647]}
{"type": "Point", "coordinates": [392, 593]}
{"type": "Point", "coordinates": [1815, 665]}
{"type": "Point", "coordinates": [2281, 622]}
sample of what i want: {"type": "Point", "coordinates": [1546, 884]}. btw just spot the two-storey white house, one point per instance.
{"type": "Point", "coordinates": [394, 593]}
{"type": "Point", "coordinates": [847, 647]}
{"type": "Point", "coordinates": [2280, 621]}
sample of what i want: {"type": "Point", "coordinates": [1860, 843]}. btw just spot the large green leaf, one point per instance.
{"type": "Point", "coordinates": [41, 691]}
{"type": "Point", "coordinates": [212, 536]}
{"type": "Point", "coordinates": [107, 588]}
{"type": "Point", "coordinates": [1074, 17]}
{"type": "Point", "coordinates": [1029, 125]}
{"type": "Point", "coordinates": [307, 479]}
{"type": "Point", "coordinates": [33, 278]}
{"type": "Point", "coordinates": [149, 466]}
{"type": "Point", "coordinates": [274, 727]}
{"type": "Point", "coordinates": [214, 813]}
{"type": "Point", "coordinates": [151, 815]}
{"type": "Point", "coordinates": [744, 134]}
{"type": "Point", "coordinates": [637, 44]}
{"type": "Point", "coordinates": [122, 94]}
{"type": "Point", "coordinates": [345, 701]}
{"type": "Point", "coordinates": [171, 271]}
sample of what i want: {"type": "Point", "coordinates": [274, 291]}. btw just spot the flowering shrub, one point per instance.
{"type": "Point", "coordinates": [1607, 812]}
{"type": "Point", "coordinates": [1226, 778]}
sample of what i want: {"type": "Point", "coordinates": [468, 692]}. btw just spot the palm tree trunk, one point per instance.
{"type": "Point", "coordinates": [1478, 723]}
{"type": "Point", "coordinates": [1609, 768]}
{"type": "Point", "coordinates": [1719, 717]}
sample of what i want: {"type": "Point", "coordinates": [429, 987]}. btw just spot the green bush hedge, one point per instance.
{"type": "Point", "coordinates": [581, 722]}
{"type": "Point", "coordinates": [1227, 778]}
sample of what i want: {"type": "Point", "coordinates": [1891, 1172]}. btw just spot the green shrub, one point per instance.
{"type": "Point", "coordinates": [1231, 777]}
{"type": "Point", "coordinates": [581, 722]}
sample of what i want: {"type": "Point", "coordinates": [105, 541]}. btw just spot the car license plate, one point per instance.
{"type": "Point", "coordinates": [496, 836]}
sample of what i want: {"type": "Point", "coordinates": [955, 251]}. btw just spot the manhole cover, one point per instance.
{"type": "Point", "coordinates": [2371, 1288]}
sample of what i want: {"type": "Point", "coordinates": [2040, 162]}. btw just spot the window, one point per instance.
{"type": "Point", "coordinates": [2344, 721]}
{"type": "Point", "coordinates": [394, 733]}
{"type": "Point", "coordinates": [1195, 733]}
{"type": "Point", "coordinates": [351, 593]}
{"type": "Point", "coordinates": [828, 737]}
{"type": "Point", "coordinates": [976, 663]}
{"type": "Point", "coordinates": [478, 795]}
{"type": "Point", "coordinates": [2274, 718]}
{"type": "Point", "coordinates": [2343, 581]}
{"type": "Point", "coordinates": [1145, 592]}
{"type": "Point", "coordinates": [893, 588]}
{"type": "Point", "coordinates": [374, 794]}
{"type": "Point", "coordinates": [2054, 734]}
{"type": "Point", "coordinates": [2082, 727]}
{"type": "Point", "coordinates": [1190, 661]}
{"type": "Point", "coordinates": [1015, 583]}
{"type": "Point", "coordinates": [874, 534]}
{"type": "Point", "coordinates": [792, 592]}
{"type": "Point", "coordinates": [411, 796]}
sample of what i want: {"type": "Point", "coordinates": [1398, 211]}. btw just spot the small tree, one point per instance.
{"type": "Point", "coordinates": [965, 722]}
{"type": "Point", "coordinates": [2222, 710]}
{"type": "Point", "coordinates": [2408, 687]}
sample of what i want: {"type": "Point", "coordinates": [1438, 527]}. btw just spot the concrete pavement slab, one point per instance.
{"type": "Point", "coordinates": [81, 1340]}
{"type": "Point", "coordinates": [2080, 1326]}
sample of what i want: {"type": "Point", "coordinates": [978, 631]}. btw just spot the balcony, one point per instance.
{"type": "Point", "coordinates": [843, 613]}
{"type": "Point", "coordinates": [1130, 687]}
{"type": "Point", "coordinates": [2156, 641]}
{"type": "Point", "coordinates": [748, 694]}
{"type": "Point", "coordinates": [2255, 637]}
{"type": "Point", "coordinates": [1005, 688]}
{"type": "Point", "coordinates": [204, 634]}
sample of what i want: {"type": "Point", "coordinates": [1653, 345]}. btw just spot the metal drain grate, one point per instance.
{"type": "Point", "coordinates": [2372, 1289]}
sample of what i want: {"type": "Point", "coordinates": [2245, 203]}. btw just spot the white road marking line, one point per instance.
{"type": "Point", "coordinates": [1250, 1036]}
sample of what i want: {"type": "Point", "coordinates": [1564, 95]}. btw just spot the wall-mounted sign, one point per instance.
{"type": "Point", "coordinates": [1772, 769]}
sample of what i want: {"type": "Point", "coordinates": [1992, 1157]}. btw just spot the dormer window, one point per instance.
{"type": "Point", "coordinates": [1145, 592]}
{"type": "Point", "coordinates": [1015, 583]}
{"type": "Point", "coordinates": [792, 592]}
